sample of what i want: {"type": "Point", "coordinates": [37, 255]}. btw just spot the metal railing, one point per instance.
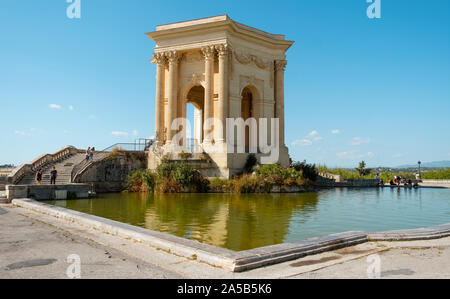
{"type": "Point", "coordinates": [140, 145]}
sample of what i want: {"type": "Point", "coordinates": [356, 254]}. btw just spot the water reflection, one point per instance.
{"type": "Point", "coordinates": [241, 222]}
{"type": "Point", "coordinates": [237, 222]}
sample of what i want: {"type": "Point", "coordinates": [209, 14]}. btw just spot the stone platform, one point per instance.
{"type": "Point", "coordinates": [47, 192]}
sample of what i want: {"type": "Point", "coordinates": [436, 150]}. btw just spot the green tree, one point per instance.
{"type": "Point", "coordinates": [362, 170]}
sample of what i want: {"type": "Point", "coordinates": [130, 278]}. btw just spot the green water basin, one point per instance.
{"type": "Point", "coordinates": [241, 222]}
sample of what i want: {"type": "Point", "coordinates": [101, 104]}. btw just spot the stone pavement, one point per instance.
{"type": "Point", "coordinates": [37, 246]}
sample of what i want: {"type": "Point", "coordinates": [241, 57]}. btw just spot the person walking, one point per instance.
{"type": "Point", "coordinates": [39, 177]}
{"type": "Point", "coordinates": [53, 176]}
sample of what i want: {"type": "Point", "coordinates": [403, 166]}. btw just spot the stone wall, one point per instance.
{"type": "Point", "coordinates": [3, 180]}
{"type": "Point", "coordinates": [328, 182]}
{"type": "Point", "coordinates": [47, 192]}
{"type": "Point", "coordinates": [111, 173]}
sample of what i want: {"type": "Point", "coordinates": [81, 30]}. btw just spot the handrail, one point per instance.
{"type": "Point", "coordinates": [82, 166]}
{"type": "Point", "coordinates": [140, 145]}
{"type": "Point", "coordinates": [18, 173]}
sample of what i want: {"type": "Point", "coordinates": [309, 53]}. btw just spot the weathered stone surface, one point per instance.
{"type": "Point", "coordinates": [110, 175]}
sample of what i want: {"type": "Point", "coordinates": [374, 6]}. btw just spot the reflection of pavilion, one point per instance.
{"type": "Point", "coordinates": [224, 69]}
{"type": "Point", "coordinates": [236, 222]}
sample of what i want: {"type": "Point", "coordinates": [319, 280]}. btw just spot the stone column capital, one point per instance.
{"type": "Point", "coordinates": [173, 57]}
{"type": "Point", "coordinates": [159, 58]}
{"type": "Point", "coordinates": [208, 52]}
{"type": "Point", "coordinates": [222, 50]}
{"type": "Point", "coordinates": [280, 65]}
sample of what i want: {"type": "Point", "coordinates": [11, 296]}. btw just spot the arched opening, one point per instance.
{"type": "Point", "coordinates": [194, 116]}
{"type": "Point", "coordinates": [247, 112]}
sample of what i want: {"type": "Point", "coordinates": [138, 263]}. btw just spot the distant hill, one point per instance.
{"type": "Point", "coordinates": [435, 164]}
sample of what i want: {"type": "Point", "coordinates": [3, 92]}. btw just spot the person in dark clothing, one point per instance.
{"type": "Point", "coordinates": [39, 177]}
{"type": "Point", "coordinates": [53, 175]}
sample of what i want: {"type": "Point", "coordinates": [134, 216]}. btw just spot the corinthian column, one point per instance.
{"type": "Point", "coordinates": [160, 61]}
{"type": "Point", "coordinates": [280, 67]}
{"type": "Point", "coordinates": [172, 57]}
{"type": "Point", "coordinates": [208, 52]}
{"type": "Point", "coordinates": [223, 91]}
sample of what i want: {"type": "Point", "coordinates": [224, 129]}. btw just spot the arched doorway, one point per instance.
{"type": "Point", "coordinates": [194, 116]}
{"type": "Point", "coordinates": [247, 112]}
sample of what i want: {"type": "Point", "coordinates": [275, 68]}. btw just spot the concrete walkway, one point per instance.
{"type": "Point", "coordinates": [34, 245]}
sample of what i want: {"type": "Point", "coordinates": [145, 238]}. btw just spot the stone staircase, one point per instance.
{"type": "Point", "coordinates": [64, 168]}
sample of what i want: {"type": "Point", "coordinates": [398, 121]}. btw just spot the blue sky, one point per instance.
{"type": "Point", "coordinates": [356, 88]}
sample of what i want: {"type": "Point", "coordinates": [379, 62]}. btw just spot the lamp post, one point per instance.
{"type": "Point", "coordinates": [420, 176]}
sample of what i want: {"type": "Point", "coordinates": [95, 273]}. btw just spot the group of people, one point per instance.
{"type": "Point", "coordinates": [398, 181]}
{"type": "Point", "coordinates": [90, 154]}
{"type": "Point", "coordinates": [53, 176]}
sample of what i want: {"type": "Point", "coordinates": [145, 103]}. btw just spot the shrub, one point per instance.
{"type": "Point", "coordinates": [167, 185]}
{"type": "Point", "coordinates": [269, 170]}
{"type": "Point", "coordinates": [115, 153]}
{"type": "Point", "coordinates": [250, 164]}
{"type": "Point", "coordinates": [246, 184]}
{"type": "Point", "coordinates": [308, 171]}
{"type": "Point", "coordinates": [165, 169]}
{"type": "Point", "coordinates": [135, 182]}
{"type": "Point", "coordinates": [182, 174]}
{"type": "Point", "coordinates": [184, 155]}
{"type": "Point", "coordinates": [175, 176]}
{"type": "Point", "coordinates": [220, 185]}
{"type": "Point", "coordinates": [149, 178]}
{"type": "Point", "coordinates": [199, 183]}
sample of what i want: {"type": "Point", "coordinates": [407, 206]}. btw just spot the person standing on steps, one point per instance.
{"type": "Point", "coordinates": [39, 177]}
{"type": "Point", "coordinates": [91, 154]}
{"type": "Point", "coordinates": [53, 175]}
{"type": "Point", "coordinates": [88, 155]}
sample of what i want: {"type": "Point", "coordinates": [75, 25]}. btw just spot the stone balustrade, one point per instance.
{"type": "Point", "coordinates": [40, 162]}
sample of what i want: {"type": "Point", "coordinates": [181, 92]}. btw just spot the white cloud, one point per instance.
{"type": "Point", "coordinates": [335, 132]}
{"type": "Point", "coordinates": [119, 134]}
{"type": "Point", "coordinates": [302, 142]}
{"type": "Point", "coordinates": [30, 132]}
{"type": "Point", "coordinates": [313, 134]}
{"type": "Point", "coordinates": [21, 133]}
{"type": "Point", "coordinates": [360, 141]}
{"type": "Point", "coordinates": [71, 108]}
{"type": "Point", "coordinates": [318, 138]}
{"type": "Point", "coordinates": [135, 132]}
{"type": "Point", "coordinates": [54, 106]}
